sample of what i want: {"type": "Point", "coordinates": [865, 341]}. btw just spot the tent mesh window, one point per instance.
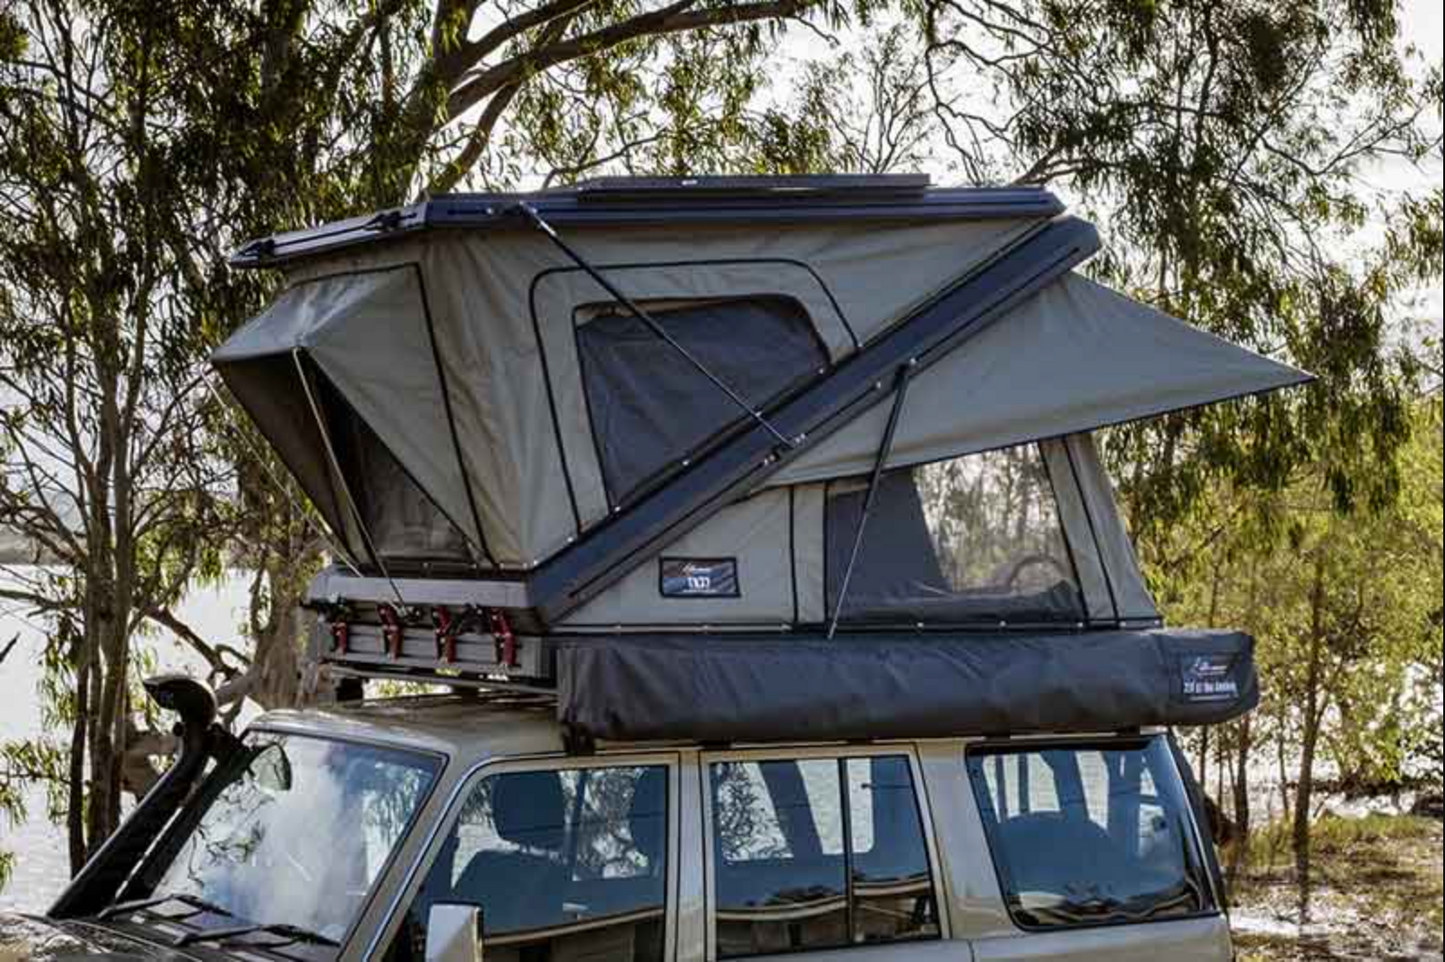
{"type": "Point", "coordinates": [651, 409]}
{"type": "Point", "coordinates": [972, 539]}
{"type": "Point", "coordinates": [404, 523]}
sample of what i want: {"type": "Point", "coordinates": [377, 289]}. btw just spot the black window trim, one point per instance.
{"type": "Point", "coordinates": [997, 747]}
{"type": "Point", "coordinates": [841, 754]}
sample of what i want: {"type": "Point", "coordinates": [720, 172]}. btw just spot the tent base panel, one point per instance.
{"type": "Point", "coordinates": [809, 689]}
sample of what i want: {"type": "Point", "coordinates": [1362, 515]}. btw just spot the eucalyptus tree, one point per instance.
{"type": "Point", "coordinates": [1218, 142]}
{"type": "Point", "coordinates": [106, 468]}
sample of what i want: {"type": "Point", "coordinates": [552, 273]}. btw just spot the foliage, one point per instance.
{"type": "Point", "coordinates": [1346, 611]}
{"type": "Point", "coordinates": [1220, 145]}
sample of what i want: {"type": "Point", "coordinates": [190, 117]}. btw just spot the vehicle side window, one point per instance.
{"type": "Point", "coordinates": [1090, 835]}
{"type": "Point", "coordinates": [818, 854]}
{"type": "Point", "coordinates": [565, 865]}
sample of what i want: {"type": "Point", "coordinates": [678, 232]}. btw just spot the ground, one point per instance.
{"type": "Point", "coordinates": [1376, 894]}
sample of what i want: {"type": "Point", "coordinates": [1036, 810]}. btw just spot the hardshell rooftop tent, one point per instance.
{"type": "Point", "coordinates": [640, 436]}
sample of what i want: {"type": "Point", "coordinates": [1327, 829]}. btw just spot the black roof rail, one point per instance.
{"type": "Point", "coordinates": [665, 201]}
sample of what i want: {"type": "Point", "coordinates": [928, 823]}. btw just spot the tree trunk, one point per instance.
{"type": "Point", "coordinates": [1241, 797]}
{"type": "Point", "coordinates": [1310, 736]}
{"type": "Point", "coordinates": [75, 790]}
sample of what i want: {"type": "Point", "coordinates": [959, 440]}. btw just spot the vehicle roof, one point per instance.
{"type": "Point", "coordinates": [462, 726]}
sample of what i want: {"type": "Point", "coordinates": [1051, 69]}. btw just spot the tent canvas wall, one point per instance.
{"type": "Point", "coordinates": [646, 407]}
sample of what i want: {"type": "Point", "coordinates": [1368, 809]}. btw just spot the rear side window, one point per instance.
{"type": "Point", "coordinates": [818, 854]}
{"type": "Point", "coordinates": [1090, 836]}
{"type": "Point", "coordinates": [650, 408]}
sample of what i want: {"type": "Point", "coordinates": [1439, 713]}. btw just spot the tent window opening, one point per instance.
{"type": "Point", "coordinates": [404, 524]}
{"type": "Point", "coordinates": [972, 539]}
{"type": "Point", "coordinates": [650, 409]}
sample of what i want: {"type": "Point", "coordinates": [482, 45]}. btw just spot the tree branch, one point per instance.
{"type": "Point", "coordinates": [674, 18]}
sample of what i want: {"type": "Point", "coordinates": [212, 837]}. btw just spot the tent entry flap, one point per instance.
{"type": "Point", "coordinates": [795, 689]}
{"type": "Point", "coordinates": [1072, 358]}
{"type": "Point", "coordinates": [267, 388]}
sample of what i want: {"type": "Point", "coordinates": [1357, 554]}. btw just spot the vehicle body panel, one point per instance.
{"type": "Point", "coordinates": [480, 738]}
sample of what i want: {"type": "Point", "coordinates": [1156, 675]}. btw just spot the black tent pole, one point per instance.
{"type": "Point", "coordinates": [530, 212]}
{"type": "Point", "coordinates": [905, 373]}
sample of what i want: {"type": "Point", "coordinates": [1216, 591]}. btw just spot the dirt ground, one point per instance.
{"type": "Point", "coordinates": [1375, 895]}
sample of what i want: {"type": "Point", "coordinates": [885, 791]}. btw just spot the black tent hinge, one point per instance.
{"type": "Point", "coordinates": [387, 220]}
{"type": "Point", "coordinates": [259, 249]}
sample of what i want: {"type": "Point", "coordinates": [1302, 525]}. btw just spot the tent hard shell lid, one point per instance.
{"type": "Point", "coordinates": [722, 409]}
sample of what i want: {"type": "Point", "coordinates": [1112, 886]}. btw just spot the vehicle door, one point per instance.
{"type": "Point", "coordinates": [1096, 853]}
{"type": "Point", "coordinates": [567, 859]}
{"type": "Point", "coordinates": [828, 854]}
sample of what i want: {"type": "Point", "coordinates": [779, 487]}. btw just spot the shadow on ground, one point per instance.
{"type": "Point", "coordinates": [1375, 894]}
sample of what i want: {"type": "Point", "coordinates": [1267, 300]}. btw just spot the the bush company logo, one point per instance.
{"type": "Point", "coordinates": [699, 578]}
{"type": "Point", "coordinates": [1210, 678]}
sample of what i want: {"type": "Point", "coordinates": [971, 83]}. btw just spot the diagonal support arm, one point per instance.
{"type": "Point", "coordinates": [905, 374]}
{"type": "Point", "coordinates": [530, 212]}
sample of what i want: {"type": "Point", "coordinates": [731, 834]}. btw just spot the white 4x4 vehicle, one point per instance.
{"type": "Point", "coordinates": [457, 828]}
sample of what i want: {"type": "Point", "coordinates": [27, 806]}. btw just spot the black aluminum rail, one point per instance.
{"type": "Point", "coordinates": [669, 202]}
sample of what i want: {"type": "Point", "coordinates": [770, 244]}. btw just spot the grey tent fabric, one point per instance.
{"type": "Point", "coordinates": [401, 521]}
{"type": "Point", "coordinates": [650, 408]}
{"type": "Point", "coordinates": [908, 686]}
{"type": "Point", "coordinates": [1075, 357]}
{"type": "Point", "coordinates": [368, 334]}
{"type": "Point", "coordinates": [1076, 458]}
{"type": "Point", "coordinates": [750, 538]}
{"type": "Point", "coordinates": [504, 306]}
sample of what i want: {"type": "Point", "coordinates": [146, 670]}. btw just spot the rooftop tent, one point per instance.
{"type": "Point", "coordinates": [520, 402]}
{"type": "Point", "coordinates": [573, 388]}
{"type": "Point", "coordinates": [651, 442]}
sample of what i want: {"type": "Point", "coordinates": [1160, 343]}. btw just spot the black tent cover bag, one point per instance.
{"type": "Point", "coordinates": [759, 689]}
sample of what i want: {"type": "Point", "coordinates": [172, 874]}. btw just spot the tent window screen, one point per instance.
{"type": "Point", "coordinates": [650, 409]}
{"type": "Point", "coordinates": [402, 521]}
{"type": "Point", "coordinates": [972, 539]}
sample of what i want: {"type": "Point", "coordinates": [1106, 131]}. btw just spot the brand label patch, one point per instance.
{"type": "Point", "coordinates": [1209, 678]}
{"type": "Point", "coordinates": [700, 578]}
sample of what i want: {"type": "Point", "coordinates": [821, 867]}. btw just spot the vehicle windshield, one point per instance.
{"type": "Point", "coordinates": [293, 830]}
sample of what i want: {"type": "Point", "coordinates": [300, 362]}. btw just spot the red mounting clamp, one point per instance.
{"type": "Point", "coordinates": [392, 629]}
{"type": "Point", "coordinates": [447, 629]}
{"type": "Point", "coordinates": [502, 634]}
{"type": "Point", "coordinates": [340, 630]}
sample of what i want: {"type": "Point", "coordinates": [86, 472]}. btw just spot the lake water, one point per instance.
{"type": "Point", "coordinates": [41, 861]}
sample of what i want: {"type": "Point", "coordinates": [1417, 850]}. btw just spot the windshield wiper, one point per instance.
{"type": "Point", "coordinates": [290, 934]}
{"type": "Point", "coordinates": [194, 901]}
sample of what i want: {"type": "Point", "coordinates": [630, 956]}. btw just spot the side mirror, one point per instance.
{"type": "Point", "coordinates": [454, 933]}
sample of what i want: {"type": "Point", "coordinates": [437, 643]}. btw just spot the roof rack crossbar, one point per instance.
{"type": "Point", "coordinates": [530, 212]}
